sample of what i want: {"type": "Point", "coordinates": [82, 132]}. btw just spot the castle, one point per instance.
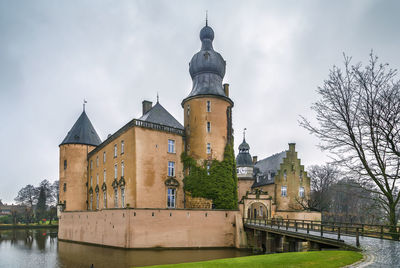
{"type": "Point", "coordinates": [140, 166]}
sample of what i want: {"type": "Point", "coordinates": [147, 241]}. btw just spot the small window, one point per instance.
{"type": "Point", "coordinates": [115, 171]}
{"type": "Point", "coordinates": [301, 191]}
{"type": "Point", "coordinates": [171, 169]}
{"type": "Point", "coordinates": [208, 127]}
{"type": "Point", "coordinates": [122, 170]}
{"type": "Point", "coordinates": [284, 191]}
{"type": "Point", "coordinates": [65, 164]}
{"type": "Point", "coordinates": [91, 164]}
{"type": "Point", "coordinates": [285, 175]}
{"type": "Point", "coordinates": [116, 197]}
{"type": "Point", "coordinates": [104, 176]}
{"type": "Point", "coordinates": [208, 168]}
{"type": "Point", "coordinates": [115, 150]}
{"type": "Point", "coordinates": [122, 197]}
{"type": "Point", "coordinates": [122, 147]}
{"type": "Point", "coordinates": [171, 197]}
{"type": "Point", "coordinates": [104, 199]}
{"type": "Point", "coordinates": [97, 178]}
{"type": "Point", "coordinates": [91, 202]}
{"type": "Point", "coordinates": [208, 106]}
{"type": "Point", "coordinates": [97, 161]}
{"type": "Point", "coordinates": [188, 109]}
{"type": "Point", "coordinates": [208, 148]}
{"type": "Point", "coordinates": [261, 211]}
{"type": "Point", "coordinates": [91, 181]}
{"type": "Point", "coordinates": [171, 146]}
{"type": "Point", "coordinates": [97, 200]}
{"type": "Point", "coordinates": [104, 157]}
{"type": "Point", "coordinates": [301, 175]}
{"type": "Point", "coordinates": [65, 187]}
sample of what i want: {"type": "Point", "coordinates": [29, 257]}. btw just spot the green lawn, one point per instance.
{"type": "Point", "coordinates": [325, 259]}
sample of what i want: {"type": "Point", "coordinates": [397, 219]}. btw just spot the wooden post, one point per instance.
{"type": "Point", "coordinates": [311, 225]}
{"type": "Point", "coordinates": [308, 228]}
{"type": "Point", "coordinates": [295, 226]}
{"type": "Point", "coordinates": [338, 233]}
{"type": "Point", "coordinates": [362, 229]}
{"type": "Point", "coordinates": [287, 225]}
{"type": "Point", "coordinates": [357, 238]}
{"type": "Point", "coordinates": [302, 225]}
{"type": "Point", "coordinates": [381, 231]}
{"type": "Point", "coordinates": [322, 229]}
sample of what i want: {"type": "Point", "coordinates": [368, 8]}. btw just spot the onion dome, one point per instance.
{"type": "Point", "coordinates": [243, 159]}
{"type": "Point", "coordinates": [207, 68]}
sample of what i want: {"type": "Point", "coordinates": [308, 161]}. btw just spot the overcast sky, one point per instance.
{"type": "Point", "coordinates": [53, 54]}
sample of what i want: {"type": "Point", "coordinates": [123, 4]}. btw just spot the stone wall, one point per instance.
{"type": "Point", "coordinates": [197, 202]}
{"type": "Point", "coordinates": [298, 215]}
{"type": "Point", "coordinates": [149, 228]}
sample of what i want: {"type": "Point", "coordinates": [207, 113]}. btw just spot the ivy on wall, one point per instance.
{"type": "Point", "coordinates": [218, 183]}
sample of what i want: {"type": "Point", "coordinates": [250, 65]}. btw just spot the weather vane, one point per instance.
{"type": "Point", "coordinates": [206, 17]}
{"type": "Point", "coordinates": [244, 133]}
{"type": "Point", "coordinates": [157, 96]}
{"type": "Point", "coordinates": [84, 103]}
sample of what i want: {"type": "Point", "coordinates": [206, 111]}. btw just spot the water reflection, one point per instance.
{"type": "Point", "coordinates": [40, 248]}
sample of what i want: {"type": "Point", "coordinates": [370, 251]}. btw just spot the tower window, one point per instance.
{"type": "Point", "coordinates": [91, 164]}
{"type": "Point", "coordinates": [97, 200]}
{"type": "Point", "coordinates": [208, 106]}
{"type": "Point", "coordinates": [208, 168]}
{"type": "Point", "coordinates": [285, 175]}
{"type": "Point", "coordinates": [115, 150]}
{"type": "Point", "coordinates": [91, 181]}
{"type": "Point", "coordinates": [284, 191]}
{"type": "Point", "coordinates": [208, 127]}
{"type": "Point", "coordinates": [301, 191]}
{"type": "Point", "coordinates": [171, 197]}
{"type": "Point", "coordinates": [104, 176]}
{"type": "Point", "coordinates": [91, 201]}
{"type": "Point", "coordinates": [97, 179]}
{"type": "Point", "coordinates": [171, 169]}
{"type": "Point", "coordinates": [188, 110]}
{"type": "Point", "coordinates": [65, 187]}
{"type": "Point", "coordinates": [122, 169]}
{"type": "Point", "coordinates": [97, 161]}
{"type": "Point", "coordinates": [171, 146]}
{"type": "Point", "coordinates": [122, 147]}
{"type": "Point", "coordinates": [115, 171]}
{"type": "Point", "coordinates": [208, 148]}
{"type": "Point", "coordinates": [65, 164]}
{"type": "Point", "coordinates": [104, 157]}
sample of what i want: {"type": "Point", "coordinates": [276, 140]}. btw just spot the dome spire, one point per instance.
{"type": "Point", "coordinates": [206, 17]}
{"type": "Point", "coordinates": [244, 134]}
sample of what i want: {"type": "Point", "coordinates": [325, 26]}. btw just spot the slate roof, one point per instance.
{"type": "Point", "coordinates": [267, 168]}
{"type": "Point", "coordinates": [243, 159]}
{"type": "Point", "coordinates": [207, 68]}
{"type": "Point", "coordinates": [159, 115]}
{"type": "Point", "coordinates": [82, 132]}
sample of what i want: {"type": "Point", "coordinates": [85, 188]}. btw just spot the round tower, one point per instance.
{"type": "Point", "coordinates": [80, 140]}
{"type": "Point", "coordinates": [208, 108]}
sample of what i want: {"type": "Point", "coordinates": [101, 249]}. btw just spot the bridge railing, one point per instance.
{"type": "Point", "coordinates": [339, 228]}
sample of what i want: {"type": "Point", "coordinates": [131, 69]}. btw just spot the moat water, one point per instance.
{"type": "Point", "coordinates": [41, 248]}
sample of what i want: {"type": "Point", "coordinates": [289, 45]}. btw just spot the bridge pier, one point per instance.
{"type": "Point", "coordinates": [270, 243]}
{"type": "Point", "coordinates": [284, 244]}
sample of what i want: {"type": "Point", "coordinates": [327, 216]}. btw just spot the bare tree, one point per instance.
{"type": "Point", "coordinates": [27, 196]}
{"type": "Point", "coordinates": [358, 123]}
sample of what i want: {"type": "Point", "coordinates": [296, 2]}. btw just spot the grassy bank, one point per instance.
{"type": "Point", "coordinates": [326, 259]}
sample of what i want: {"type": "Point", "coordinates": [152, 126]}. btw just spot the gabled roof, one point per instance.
{"type": "Point", "coordinates": [267, 168]}
{"type": "Point", "coordinates": [159, 115]}
{"type": "Point", "coordinates": [82, 132]}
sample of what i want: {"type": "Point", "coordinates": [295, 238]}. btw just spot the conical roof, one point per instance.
{"type": "Point", "coordinates": [159, 115]}
{"type": "Point", "coordinates": [82, 132]}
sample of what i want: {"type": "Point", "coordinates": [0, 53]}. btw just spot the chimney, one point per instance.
{"type": "Point", "coordinates": [292, 146]}
{"type": "Point", "coordinates": [254, 159]}
{"type": "Point", "coordinates": [226, 89]}
{"type": "Point", "coordinates": [146, 106]}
